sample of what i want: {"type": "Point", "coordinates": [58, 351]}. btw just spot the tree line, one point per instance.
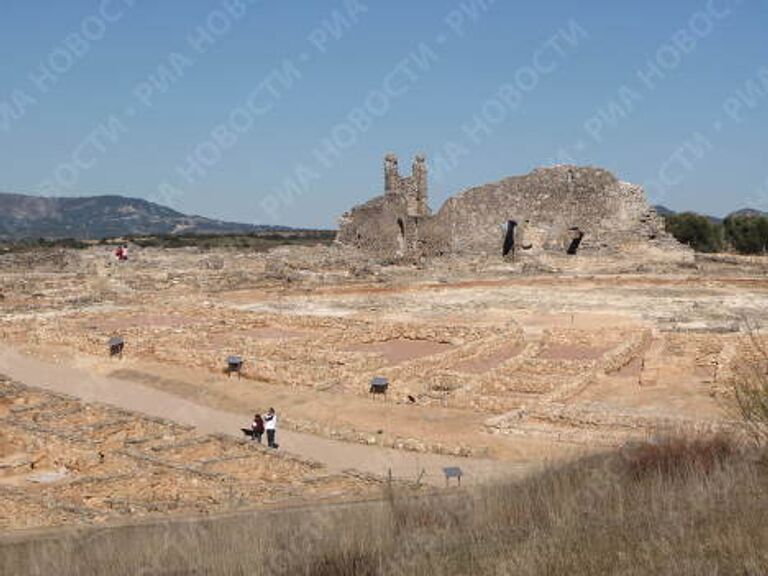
{"type": "Point", "coordinates": [745, 234]}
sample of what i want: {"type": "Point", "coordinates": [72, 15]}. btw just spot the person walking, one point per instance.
{"type": "Point", "coordinates": [257, 427]}
{"type": "Point", "coordinates": [270, 424]}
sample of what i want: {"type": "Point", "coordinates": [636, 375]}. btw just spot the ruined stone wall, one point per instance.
{"type": "Point", "coordinates": [389, 225]}
{"type": "Point", "coordinates": [550, 208]}
{"type": "Point", "coordinates": [563, 209]}
{"type": "Point", "coordinates": [380, 226]}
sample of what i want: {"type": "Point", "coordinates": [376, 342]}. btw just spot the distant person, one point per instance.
{"type": "Point", "coordinates": [122, 253]}
{"type": "Point", "coordinates": [270, 424]}
{"type": "Point", "coordinates": [257, 427]}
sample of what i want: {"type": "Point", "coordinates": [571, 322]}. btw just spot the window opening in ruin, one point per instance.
{"type": "Point", "coordinates": [401, 235]}
{"type": "Point", "coordinates": [527, 245]}
{"type": "Point", "coordinates": [509, 239]}
{"type": "Point", "coordinates": [578, 236]}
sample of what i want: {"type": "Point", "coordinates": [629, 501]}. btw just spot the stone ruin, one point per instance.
{"type": "Point", "coordinates": [391, 225]}
{"type": "Point", "coordinates": [565, 210]}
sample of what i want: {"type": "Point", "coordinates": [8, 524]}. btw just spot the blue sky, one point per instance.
{"type": "Point", "coordinates": [281, 112]}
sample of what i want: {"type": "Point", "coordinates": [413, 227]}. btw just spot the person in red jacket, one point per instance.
{"type": "Point", "coordinates": [257, 427]}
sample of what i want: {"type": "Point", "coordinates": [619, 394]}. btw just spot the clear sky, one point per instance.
{"type": "Point", "coordinates": [271, 111]}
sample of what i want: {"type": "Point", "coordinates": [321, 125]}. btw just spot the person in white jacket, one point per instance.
{"type": "Point", "coordinates": [270, 425]}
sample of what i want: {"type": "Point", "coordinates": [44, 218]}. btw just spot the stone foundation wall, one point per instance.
{"type": "Point", "coordinates": [65, 462]}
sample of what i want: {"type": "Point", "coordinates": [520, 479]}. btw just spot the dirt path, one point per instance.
{"type": "Point", "coordinates": [379, 420]}
{"type": "Point", "coordinates": [337, 456]}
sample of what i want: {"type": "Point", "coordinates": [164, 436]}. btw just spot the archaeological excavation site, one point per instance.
{"type": "Point", "coordinates": [66, 462]}
{"type": "Point", "coordinates": [534, 321]}
{"type": "Point", "coordinates": [359, 288]}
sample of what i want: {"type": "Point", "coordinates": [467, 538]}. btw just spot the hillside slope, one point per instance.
{"type": "Point", "coordinates": [101, 217]}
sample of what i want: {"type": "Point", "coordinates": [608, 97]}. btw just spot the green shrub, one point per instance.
{"type": "Point", "coordinates": [747, 234]}
{"type": "Point", "coordinates": [698, 231]}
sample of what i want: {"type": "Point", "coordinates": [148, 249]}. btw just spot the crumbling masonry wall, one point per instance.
{"type": "Point", "coordinates": [564, 209]}
{"type": "Point", "coordinates": [390, 225]}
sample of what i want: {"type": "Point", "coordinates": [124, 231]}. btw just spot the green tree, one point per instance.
{"type": "Point", "coordinates": [695, 230]}
{"type": "Point", "coordinates": [747, 234]}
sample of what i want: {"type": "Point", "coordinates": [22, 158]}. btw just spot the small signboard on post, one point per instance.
{"type": "Point", "coordinates": [234, 364]}
{"type": "Point", "coordinates": [379, 385]}
{"type": "Point", "coordinates": [116, 345]}
{"type": "Point", "coordinates": [452, 472]}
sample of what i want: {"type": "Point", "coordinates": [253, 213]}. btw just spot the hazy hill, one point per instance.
{"type": "Point", "coordinates": [747, 213]}
{"type": "Point", "coordinates": [743, 213]}
{"type": "Point", "coordinates": [102, 217]}
{"type": "Point", "coordinates": [663, 210]}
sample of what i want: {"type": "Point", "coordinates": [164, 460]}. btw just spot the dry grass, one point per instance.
{"type": "Point", "coordinates": [679, 507]}
{"type": "Point", "coordinates": [751, 384]}
{"type": "Point", "coordinates": [678, 457]}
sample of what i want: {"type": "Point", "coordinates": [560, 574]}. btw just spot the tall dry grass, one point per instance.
{"type": "Point", "coordinates": [751, 384]}
{"type": "Point", "coordinates": [682, 507]}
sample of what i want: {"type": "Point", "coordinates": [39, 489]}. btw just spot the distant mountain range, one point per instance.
{"type": "Point", "coordinates": [743, 213]}
{"type": "Point", "coordinates": [98, 217]}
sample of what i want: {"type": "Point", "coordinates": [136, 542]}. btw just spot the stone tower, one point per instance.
{"type": "Point", "coordinates": [391, 175]}
{"type": "Point", "coordinates": [419, 171]}
{"type": "Point", "coordinates": [412, 188]}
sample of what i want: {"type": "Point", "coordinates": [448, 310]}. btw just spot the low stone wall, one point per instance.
{"type": "Point", "coordinates": [592, 425]}
{"type": "Point", "coordinates": [384, 440]}
{"type": "Point", "coordinates": [91, 463]}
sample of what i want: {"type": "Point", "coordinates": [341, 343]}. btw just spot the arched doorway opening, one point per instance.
{"type": "Point", "coordinates": [576, 237]}
{"type": "Point", "coordinates": [509, 239]}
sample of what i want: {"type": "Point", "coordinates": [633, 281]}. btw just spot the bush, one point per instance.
{"type": "Point", "coordinates": [257, 241]}
{"type": "Point", "coordinates": [699, 232]}
{"type": "Point", "coordinates": [33, 244]}
{"type": "Point", "coordinates": [751, 386]}
{"type": "Point", "coordinates": [677, 457]}
{"type": "Point", "coordinates": [747, 234]}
